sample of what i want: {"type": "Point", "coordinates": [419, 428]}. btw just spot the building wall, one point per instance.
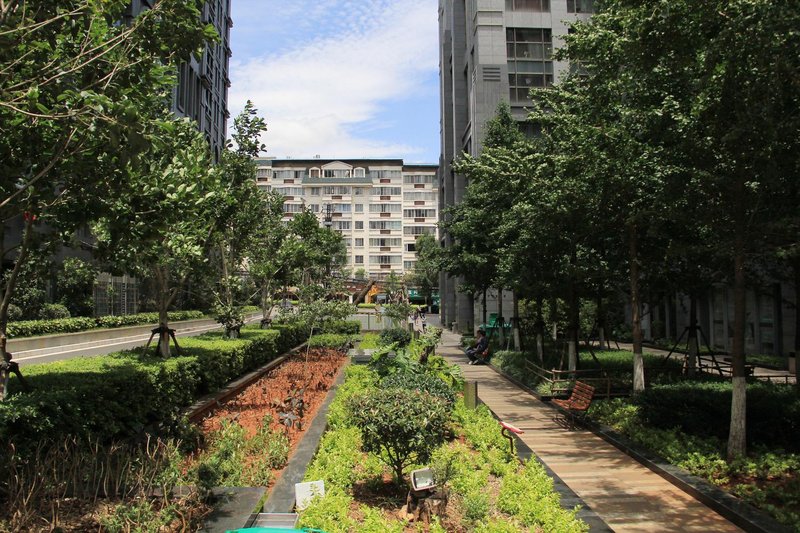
{"type": "Point", "coordinates": [490, 51]}
{"type": "Point", "coordinates": [379, 206]}
{"type": "Point", "coordinates": [202, 90]}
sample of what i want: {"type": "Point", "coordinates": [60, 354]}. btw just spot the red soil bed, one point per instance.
{"type": "Point", "coordinates": [315, 370]}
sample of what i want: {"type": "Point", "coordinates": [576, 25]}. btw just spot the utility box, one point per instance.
{"type": "Point", "coordinates": [471, 394]}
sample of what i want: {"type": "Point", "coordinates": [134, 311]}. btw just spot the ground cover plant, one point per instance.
{"type": "Point", "coordinates": [686, 424]}
{"type": "Point", "coordinates": [484, 488]}
{"type": "Point", "coordinates": [114, 402]}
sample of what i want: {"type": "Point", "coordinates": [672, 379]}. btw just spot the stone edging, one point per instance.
{"type": "Point", "coordinates": [738, 512]}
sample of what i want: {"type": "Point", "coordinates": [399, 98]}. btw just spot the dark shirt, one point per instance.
{"type": "Point", "coordinates": [482, 344]}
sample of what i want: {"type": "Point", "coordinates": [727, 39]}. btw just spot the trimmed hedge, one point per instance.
{"type": "Point", "coordinates": [704, 409]}
{"type": "Point", "coordinates": [31, 328]}
{"type": "Point", "coordinates": [123, 395]}
{"type": "Point", "coordinates": [342, 327]}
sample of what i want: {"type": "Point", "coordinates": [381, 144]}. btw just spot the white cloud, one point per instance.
{"type": "Point", "coordinates": [323, 96]}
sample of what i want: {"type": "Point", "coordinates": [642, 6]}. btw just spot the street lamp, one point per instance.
{"type": "Point", "coordinates": [326, 219]}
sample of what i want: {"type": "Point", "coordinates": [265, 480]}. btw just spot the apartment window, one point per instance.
{"type": "Point", "coordinates": [335, 190]}
{"type": "Point", "coordinates": [358, 191]}
{"type": "Point", "coordinates": [341, 225]}
{"type": "Point", "coordinates": [385, 242]}
{"type": "Point", "coordinates": [359, 260]}
{"type": "Point", "coordinates": [292, 208]}
{"type": "Point", "coordinates": [409, 265]}
{"type": "Point", "coordinates": [419, 213]}
{"type": "Point", "coordinates": [528, 5]}
{"type": "Point", "coordinates": [348, 242]}
{"type": "Point", "coordinates": [341, 208]}
{"type": "Point", "coordinates": [384, 208]}
{"type": "Point", "coordinates": [411, 247]}
{"type": "Point", "coordinates": [314, 172]}
{"type": "Point", "coordinates": [580, 6]}
{"type": "Point", "coordinates": [419, 230]}
{"type": "Point", "coordinates": [359, 208]}
{"type": "Point", "coordinates": [385, 224]}
{"type": "Point", "coordinates": [530, 62]}
{"type": "Point", "coordinates": [316, 191]}
{"type": "Point", "coordinates": [427, 196]}
{"type": "Point", "coordinates": [416, 179]}
{"type": "Point", "coordinates": [359, 224]}
{"type": "Point", "coordinates": [384, 174]}
{"type": "Point", "coordinates": [359, 172]}
{"type": "Point", "coordinates": [289, 191]}
{"type": "Point", "coordinates": [332, 173]}
{"type": "Point", "coordinates": [386, 191]}
{"type": "Point", "coordinates": [385, 259]}
{"type": "Point", "coordinates": [359, 242]}
{"type": "Point", "coordinates": [314, 208]}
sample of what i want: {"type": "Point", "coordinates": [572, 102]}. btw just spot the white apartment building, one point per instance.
{"type": "Point", "coordinates": [380, 206]}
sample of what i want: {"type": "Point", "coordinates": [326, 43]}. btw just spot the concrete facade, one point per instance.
{"type": "Point", "coordinates": [202, 90]}
{"type": "Point", "coordinates": [490, 51]}
{"type": "Point", "coordinates": [380, 206]}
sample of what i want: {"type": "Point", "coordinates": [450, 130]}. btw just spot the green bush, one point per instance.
{"type": "Point", "coordinates": [14, 313]}
{"type": "Point", "coordinates": [421, 382]}
{"type": "Point", "coordinates": [53, 312]}
{"type": "Point", "coordinates": [118, 396]}
{"type": "Point", "coordinates": [343, 327]}
{"type": "Point", "coordinates": [329, 340]}
{"type": "Point", "coordinates": [399, 336]}
{"type": "Point", "coordinates": [366, 306]}
{"type": "Point", "coordinates": [403, 426]}
{"type": "Point", "coordinates": [703, 409]}
{"type": "Point", "coordinates": [30, 328]}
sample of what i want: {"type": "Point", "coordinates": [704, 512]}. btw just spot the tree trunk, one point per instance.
{"type": "Point", "coordinates": [163, 300]}
{"type": "Point", "coordinates": [515, 324]}
{"type": "Point", "coordinates": [692, 343]}
{"type": "Point", "coordinates": [6, 366]}
{"type": "Point", "coordinates": [572, 334]}
{"type": "Point", "coordinates": [636, 319]}
{"type": "Point", "coordinates": [601, 322]}
{"type": "Point", "coordinates": [796, 352]}
{"type": "Point", "coordinates": [737, 438]}
{"type": "Point", "coordinates": [484, 308]}
{"type": "Point", "coordinates": [500, 321]}
{"type": "Point", "coordinates": [539, 329]}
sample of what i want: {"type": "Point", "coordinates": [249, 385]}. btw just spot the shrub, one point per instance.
{"type": "Point", "coordinates": [329, 513]}
{"type": "Point", "coordinates": [398, 336]}
{"type": "Point", "coordinates": [329, 340]}
{"type": "Point", "coordinates": [403, 426]}
{"type": "Point", "coordinates": [366, 306]}
{"type": "Point", "coordinates": [422, 382]}
{"type": "Point", "coordinates": [30, 328]}
{"type": "Point", "coordinates": [14, 313]}
{"type": "Point", "coordinates": [53, 311]}
{"type": "Point", "coordinates": [75, 286]}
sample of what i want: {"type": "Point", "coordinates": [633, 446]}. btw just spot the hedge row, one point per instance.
{"type": "Point", "coordinates": [704, 409]}
{"type": "Point", "coordinates": [30, 328]}
{"type": "Point", "coordinates": [124, 395]}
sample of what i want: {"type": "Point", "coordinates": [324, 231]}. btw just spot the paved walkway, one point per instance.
{"type": "Point", "coordinates": [626, 495]}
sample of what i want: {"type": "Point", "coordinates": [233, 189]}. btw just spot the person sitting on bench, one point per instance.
{"type": "Point", "coordinates": [476, 354]}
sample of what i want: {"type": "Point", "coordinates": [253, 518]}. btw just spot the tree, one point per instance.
{"type": "Point", "coordinates": [72, 85]}
{"type": "Point", "coordinates": [75, 286]}
{"type": "Point", "coordinates": [426, 268]}
{"type": "Point", "coordinates": [161, 225]}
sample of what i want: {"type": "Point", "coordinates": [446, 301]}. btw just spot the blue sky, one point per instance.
{"type": "Point", "coordinates": [340, 78]}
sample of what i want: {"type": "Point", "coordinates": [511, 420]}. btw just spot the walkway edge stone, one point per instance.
{"type": "Point", "coordinates": [740, 513]}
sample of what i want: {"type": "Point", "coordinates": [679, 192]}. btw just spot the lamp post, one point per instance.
{"type": "Point", "coordinates": [327, 217]}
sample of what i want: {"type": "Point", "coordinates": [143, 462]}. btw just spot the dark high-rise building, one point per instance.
{"type": "Point", "coordinates": [202, 90]}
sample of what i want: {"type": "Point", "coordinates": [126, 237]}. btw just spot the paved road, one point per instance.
{"type": "Point", "coordinates": [100, 347]}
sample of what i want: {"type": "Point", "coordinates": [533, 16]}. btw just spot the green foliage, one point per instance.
{"type": "Point", "coordinates": [358, 380]}
{"type": "Point", "coordinates": [529, 496]}
{"type": "Point", "coordinates": [369, 341]}
{"type": "Point", "coordinates": [329, 340]}
{"type": "Point", "coordinates": [31, 328]}
{"type": "Point", "coordinates": [14, 312]}
{"type": "Point", "coordinates": [330, 513]}
{"type": "Point", "coordinates": [53, 312]}
{"type": "Point", "coordinates": [75, 285]}
{"type": "Point", "coordinates": [366, 306]}
{"type": "Point", "coordinates": [399, 336]}
{"type": "Point", "coordinates": [94, 396]}
{"type": "Point", "coordinates": [403, 426]}
{"type": "Point", "coordinates": [426, 383]}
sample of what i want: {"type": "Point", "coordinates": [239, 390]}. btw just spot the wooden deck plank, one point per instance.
{"type": "Point", "coordinates": [625, 494]}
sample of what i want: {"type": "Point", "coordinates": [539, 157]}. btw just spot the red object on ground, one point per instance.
{"type": "Point", "coordinates": [511, 428]}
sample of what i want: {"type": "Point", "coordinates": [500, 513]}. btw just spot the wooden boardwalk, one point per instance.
{"type": "Point", "coordinates": [626, 495]}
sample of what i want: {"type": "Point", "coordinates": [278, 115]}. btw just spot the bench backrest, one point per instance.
{"type": "Point", "coordinates": [582, 395]}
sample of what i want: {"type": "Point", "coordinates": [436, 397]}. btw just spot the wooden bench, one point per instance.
{"type": "Point", "coordinates": [578, 402]}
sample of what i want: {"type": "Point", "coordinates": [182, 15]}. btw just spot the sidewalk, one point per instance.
{"type": "Point", "coordinates": [626, 495]}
